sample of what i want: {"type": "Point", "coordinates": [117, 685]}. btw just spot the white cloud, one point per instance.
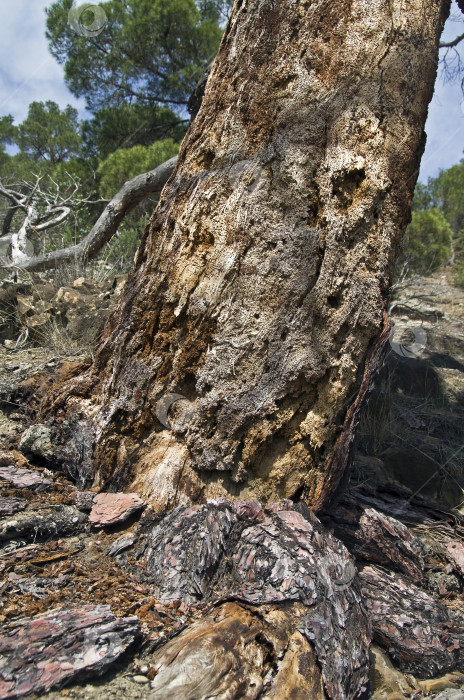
{"type": "Point", "coordinates": [28, 72]}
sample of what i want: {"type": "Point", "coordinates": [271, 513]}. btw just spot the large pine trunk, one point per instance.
{"type": "Point", "coordinates": [260, 286]}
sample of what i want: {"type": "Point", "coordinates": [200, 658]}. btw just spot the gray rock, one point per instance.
{"type": "Point", "coordinates": [450, 694]}
{"type": "Point", "coordinates": [37, 440]}
{"type": "Point", "coordinates": [51, 521]}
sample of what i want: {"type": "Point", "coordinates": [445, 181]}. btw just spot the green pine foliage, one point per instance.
{"type": "Point", "coordinates": [126, 163]}
{"type": "Point", "coordinates": [427, 243]}
{"type": "Point", "coordinates": [150, 52]}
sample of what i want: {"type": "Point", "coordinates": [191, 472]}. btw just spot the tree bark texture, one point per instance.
{"type": "Point", "coordinates": [260, 285]}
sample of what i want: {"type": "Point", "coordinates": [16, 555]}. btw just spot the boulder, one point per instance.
{"type": "Point", "coordinates": [114, 508]}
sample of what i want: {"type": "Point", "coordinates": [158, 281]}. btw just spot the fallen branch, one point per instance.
{"type": "Point", "coordinates": [131, 194]}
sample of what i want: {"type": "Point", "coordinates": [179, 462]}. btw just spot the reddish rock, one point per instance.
{"type": "Point", "coordinates": [112, 508]}
{"type": "Point", "coordinates": [455, 553]}
{"type": "Point", "coordinates": [50, 650]}
{"type": "Point", "coordinates": [23, 478]}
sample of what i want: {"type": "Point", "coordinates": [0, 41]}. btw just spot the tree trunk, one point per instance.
{"type": "Point", "coordinates": [260, 285]}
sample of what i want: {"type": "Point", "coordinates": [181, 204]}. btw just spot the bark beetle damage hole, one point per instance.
{"type": "Point", "coordinates": [345, 185]}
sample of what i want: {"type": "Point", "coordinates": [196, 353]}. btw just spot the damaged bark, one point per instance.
{"type": "Point", "coordinates": [89, 638]}
{"type": "Point", "coordinates": [260, 285]}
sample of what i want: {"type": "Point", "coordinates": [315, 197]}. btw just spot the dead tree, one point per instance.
{"type": "Point", "coordinates": [260, 287]}
{"type": "Point", "coordinates": [44, 210]}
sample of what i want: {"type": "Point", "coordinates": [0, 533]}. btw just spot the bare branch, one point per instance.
{"type": "Point", "coordinates": [50, 223]}
{"type": "Point", "coordinates": [14, 197]}
{"type": "Point", "coordinates": [131, 193]}
{"type": "Point", "coordinates": [451, 44]}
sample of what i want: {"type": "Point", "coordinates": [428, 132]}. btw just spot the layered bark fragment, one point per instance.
{"type": "Point", "coordinates": [220, 551]}
{"type": "Point", "coordinates": [261, 279]}
{"type": "Point", "coordinates": [48, 651]}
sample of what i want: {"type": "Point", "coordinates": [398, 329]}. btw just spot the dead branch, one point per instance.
{"type": "Point", "coordinates": [131, 194]}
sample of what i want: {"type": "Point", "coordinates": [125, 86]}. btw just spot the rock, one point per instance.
{"type": "Point", "coordinates": [37, 441]}
{"type": "Point", "coordinates": [24, 478]}
{"type": "Point", "coordinates": [240, 654]}
{"type": "Point", "coordinates": [142, 680]}
{"type": "Point", "coordinates": [46, 521]}
{"type": "Point", "coordinates": [455, 552]}
{"type": "Point", "coordinates": [25, 305]}
{"type": "Point", "coordinates": [9, 506]}
{"type": "Point", "coordinates": [435, 685]}
{"type": "Point", "coordinates": [84, 500]}
{"type": "Point", "coordinates": [50, 650]}
{"type": "Point", "coordinates": [113, 508]}
{"type": "Point", "coordinates": [451, 695]}
{"type": "Point", "coordinates": [40, 326]}
{"type": "Point", "coordinates": [8, 429]}
{"type": "Point", "coordinates": [418, 632]}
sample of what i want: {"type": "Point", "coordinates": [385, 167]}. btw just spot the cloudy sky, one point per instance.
{"type": "Point", "coordinates": [28, 72]}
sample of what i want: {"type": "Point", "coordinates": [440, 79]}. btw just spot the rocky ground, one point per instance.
{"type": "Point", "coordinates": [103, 597]}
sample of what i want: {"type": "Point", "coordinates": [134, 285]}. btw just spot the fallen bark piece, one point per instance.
{"type": "Point", "coordinates": [41, 586]}
{"type": "Point", "coordinates": [9, 506]}
{"type": "Point", "coordinates": [239, 654]}
{"type": "Point", "coordinates": [46, 651]}
{"type": "Point", "coordinates": [376, 537]}
{"type": "Point", "coordinates": [220, 551]}
{"type": "Point", "coordinates": [48, 521]}
{"type": "Point", "coordinates": [24, 478]}
{"type": "Point", "coordinates": [413, 627]}
{"type": "Point", "coordinates": [120, 545]}
{"type": "Point", "coordinates": [455, 553]}
{"type": "Point", "coordinates": [112, 508]}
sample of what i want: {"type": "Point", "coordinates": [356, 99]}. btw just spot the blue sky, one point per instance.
{"type": "Point", "coordinates": [28, 72]}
